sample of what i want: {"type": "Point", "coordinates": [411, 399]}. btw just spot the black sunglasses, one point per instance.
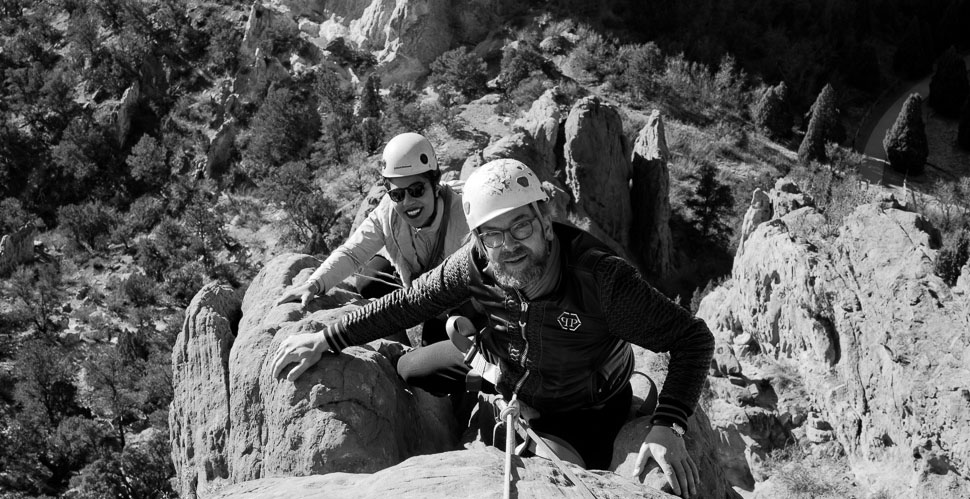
{"type": "Point", "coordinates": [416, 190]}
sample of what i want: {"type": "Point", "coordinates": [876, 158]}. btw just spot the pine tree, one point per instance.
{"type": "Point", "coordinates": [710, 203]}
{"type": "Point", "coordinates": [949, 87]}
{"type": "Point", "coordinates": [823, 126]}
{"type": "Point", "coordinates": [963, 134]}
{"type": "Point", "coordinates": [459, 71]}
{"type": "Point", "coordinates": [826, 106]}
{"type": "Point", "coordinates": [905, 143]}
{"type": "Point", "coordinates": [370, 98]}
{"type": "Point", "coordinates": [771, 114]}
{"type": "Point", "coordinates": [812, 147]}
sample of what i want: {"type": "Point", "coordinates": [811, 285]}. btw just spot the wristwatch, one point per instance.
{"type": "Point", "coordinates": [673, 425]}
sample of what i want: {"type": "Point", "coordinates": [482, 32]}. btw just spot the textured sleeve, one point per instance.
{"type": "Point", "coordinates": [350, 256]}
{"type": "Point", "coordinates": [643, 316]}
{"type": "Point", "coordinates": [440, 289]}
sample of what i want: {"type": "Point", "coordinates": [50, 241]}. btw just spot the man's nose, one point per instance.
{"type": "Point", "coordinates": [510, 242]}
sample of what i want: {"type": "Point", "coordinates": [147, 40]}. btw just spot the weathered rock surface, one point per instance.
{"type": "Point", "coordinates": [881, 342]}
{"type": "Point", "coordinates": [350, 412]}
{"type": "Point", "coordinates": [759, 211]}
{"type": "Point", "coordinates": [787, 197]}
{"type": "Point", "coordinates": [17, 248]}
{"type": "Point", "coordinates": [598, 166]}
{"type": "Point", "coordinates": [220, 150]}
{"type": "Point", "coordinates": [703, 443]}
{"type": "Point", "coordinates": [199, 419]}
{"type": "Point", "coordinates": [651, 240]}
{"type": "Point", "coordinates": [232, 422]}
{"type": "Point", "coordinates": [544, 122]}
{"type": "Point", "coordinates": [125, 113]}
{"type": "Point", "coordinates": [473, 473]}
{"type": "Point", "coordinates": [405, 37]}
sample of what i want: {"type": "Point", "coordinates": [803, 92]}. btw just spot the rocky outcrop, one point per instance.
{"type": "Point", "coordinates": [759, 211]}
{"type": "Point", "coordinates": [544, 122]}
{"type": "Point", "coordinates": [125, 113]}
{"type": "Point", "coordinates": [253, 79]}
{"type": "Point", "coordinates": [651, 241]}
{"type": "Point", "coordinates": [881, 342]}
{"type": "Point", "coordinates": [405, 37]}
{"type": "Point", "coordinates": [199, 419]}
{"type": "Point", "coordinates": [232, 421]}
{"type": "Point", "coordinates": [477, 472]}
{"type": "Point", "coordinates": [598, 166]}
{"type": "Point", "coordinates": [220, 150]}
{"type": "Point", "coordinates": [787, 197]}
{"type": "Point", "coordinates": [703, 443]}
{"type": "Point", "coordinates": [17, 248]}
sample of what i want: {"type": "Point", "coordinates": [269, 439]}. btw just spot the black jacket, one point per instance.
{"type": "Point", "coordinates": [573, 342]}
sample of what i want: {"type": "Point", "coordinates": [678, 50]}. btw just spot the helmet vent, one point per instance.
{"type": "Point", "coordinates": [424, 158]}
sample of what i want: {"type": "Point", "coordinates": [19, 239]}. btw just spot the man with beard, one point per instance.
{"type": "Point", "coordinates": [415, 226]}
{"type": "Point", "coordinates": [561, 313]}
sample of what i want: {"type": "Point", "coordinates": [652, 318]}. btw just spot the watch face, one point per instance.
{"type": "Point", "coordinates": [679, 430]}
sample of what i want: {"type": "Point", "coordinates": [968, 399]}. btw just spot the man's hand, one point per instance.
{"type": "Point", "coordinates": [304, 292]}
{"type": "Point", "coordinates": [668, 449]}
{"type": "Point", "coordinates": [305, 349]}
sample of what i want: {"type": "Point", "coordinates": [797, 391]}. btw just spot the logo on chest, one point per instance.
{"type": "Point", "coordinates": [569, 321]}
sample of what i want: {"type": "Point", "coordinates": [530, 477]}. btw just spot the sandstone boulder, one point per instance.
{"type": "Point", "coordinates": [232, 421]}
{"type": "Point", "coordinates": [759, 211]}
{"type": "Point", "coordinates": [880, 341]}
{"type": "Point", "coordinates": [598, 167]}
{"type": "Point", "coordinates": [651, 241]}
{"type": "Point", "coordinates": [706, 448]}
{"type": "Point", "coordinates": [126, 111]}
{"type": "Point", "coordinates": [199, 419]}
{"type": "Point", "coordinates": [17, 248]}
{"type": "Point", "coordinates": [474, 473]}
{"type": "Point", "coordinates": [543, 122]}
{"type": "Point", "coordinates": [787, 196]}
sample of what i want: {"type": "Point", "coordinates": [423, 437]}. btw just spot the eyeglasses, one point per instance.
{"type": "Point", "coordinates": [416, 190]}
{"type": "Point", "coordinates": [519, 231]}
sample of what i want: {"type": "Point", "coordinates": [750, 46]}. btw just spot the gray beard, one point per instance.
{"type": "Point", "coordinates": [521, 278]}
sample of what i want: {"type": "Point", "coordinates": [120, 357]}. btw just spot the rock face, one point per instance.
{"type": "Point", "coordinates": [759, 211]}
{"type": "Point", "coordinates": [474, 473]}
{"type": "Point", "coordinates": [199, 419]}
{"type": "Point", "coordinates": [17, 248]}
{"type": "Point", "coordinates": [650, 235]}
{"type": "Point", "coordinates": [127, 108]}
{"type": "Point", "coordinates": [220, 150]}
{"type": "Point", "coordinates": [405, 37]}
{"type": "Point", "coordinates": [597, 166]}
{"type": "Point", "coordinates": [703, 443]}
{"type": "Point", "coordinates": [881, 342]}
{"type": "Point", "coordinates": [544, 123]}
{"type": "Point", "coordinates": [232, 421]}
{"type": "Point", "coordinates": [787, 197]}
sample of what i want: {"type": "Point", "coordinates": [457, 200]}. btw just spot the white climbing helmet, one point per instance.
{"type": "Point", "coordinates": [408, 154]}
{"type": "Point", "coordinates": [498, 187]}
